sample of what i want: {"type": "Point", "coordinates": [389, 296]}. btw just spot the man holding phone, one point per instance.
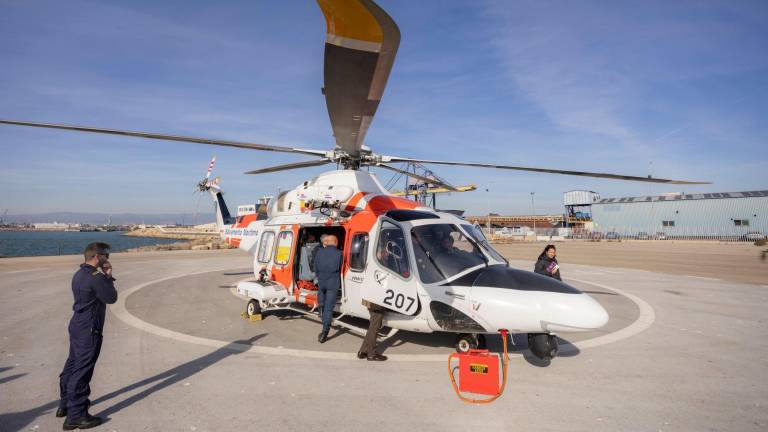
{"type": "Point", "coordinates": [93, 289]}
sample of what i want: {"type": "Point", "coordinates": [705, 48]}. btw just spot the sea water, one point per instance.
{"type": "Point", "coordinates": [39, 243]}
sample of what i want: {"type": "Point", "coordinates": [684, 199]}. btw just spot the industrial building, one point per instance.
{"type": "Point", "coordinates": [717, 216]}
{"type": "Point", "coordinates": [727, 215]}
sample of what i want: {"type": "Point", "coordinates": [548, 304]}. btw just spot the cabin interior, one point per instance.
{"type": "Point", "coordinates": [308, 240]}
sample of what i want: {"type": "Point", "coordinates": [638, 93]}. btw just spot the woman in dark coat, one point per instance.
{"type": "Point", "coordinates": [547, 263]}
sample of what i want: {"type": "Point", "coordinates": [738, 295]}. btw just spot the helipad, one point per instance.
{"type": "Point", "coordinates": [203, 308]}
{"type": "Point", "coordinates": [678, 353]}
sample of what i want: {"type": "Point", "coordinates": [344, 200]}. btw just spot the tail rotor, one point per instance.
{"type": "Point", "coordinates": [206, 183]}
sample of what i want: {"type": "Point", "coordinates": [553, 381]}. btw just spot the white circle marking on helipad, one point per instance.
{"type": "Point", "coordinates": [645, 319]}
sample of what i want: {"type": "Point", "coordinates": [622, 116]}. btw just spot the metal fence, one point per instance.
{"type": "Point", "coordinates": [617, 234]}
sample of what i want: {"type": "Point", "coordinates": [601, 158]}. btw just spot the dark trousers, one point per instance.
{"type": "Point", "coordinates": [326, 300]}
{"type": "Point", "coordinates": [74, 381]}
{"type": "Point", "coordinates": [369, 343]}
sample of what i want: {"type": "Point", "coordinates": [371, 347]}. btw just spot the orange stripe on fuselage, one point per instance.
{"type": "Point", "coordinates": [383, 203]}
{"type": "Point", "coordinates": [352, 203]}
{"type": "Point", "coordinates": [245, 220]}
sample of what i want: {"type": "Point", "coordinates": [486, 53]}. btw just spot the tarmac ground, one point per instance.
{"type": "Point", "coordinates": [681, 351]}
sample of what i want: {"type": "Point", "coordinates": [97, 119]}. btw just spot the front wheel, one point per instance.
{"type": "Point", "coordinates": [466, 342]}
{"type": "Point", "coordinates": [253, 308]}
{"type": "Point", "coordinates": [543, 345]}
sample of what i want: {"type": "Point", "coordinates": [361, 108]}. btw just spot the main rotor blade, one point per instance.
{"type": "Point", "coordinates": [157, 136]}
{"type": "Point", "coordinates": [648, 179]}
{"type": "Point", "coordinates": [291, 166]}
{"type": "Point", "coordinates": [419, 177]}
{"type": "Point", "coordinates": [360, 47]}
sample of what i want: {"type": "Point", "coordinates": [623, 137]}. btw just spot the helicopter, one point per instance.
{"type": "Point", "coordinates": [432, 271]}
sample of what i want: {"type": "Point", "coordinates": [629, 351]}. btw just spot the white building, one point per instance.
{"type": "Point", "coordinates": [53, 226]}
{"type": "Point", "coordinates": [709, 215]}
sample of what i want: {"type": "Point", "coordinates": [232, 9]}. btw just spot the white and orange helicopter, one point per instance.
{"type": "Point", "coordinates": [431, 270]}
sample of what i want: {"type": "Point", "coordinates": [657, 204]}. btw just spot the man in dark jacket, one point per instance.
{"type": "Point", "coordinates": [92, 290]}
{"type": "Point", "coordinates": [547, 263]}
{"type": "Point", "coordinates": [328, 272]}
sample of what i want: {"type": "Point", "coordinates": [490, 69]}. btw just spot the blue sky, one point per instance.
{"type": "Point", "coordinates": [677, 89]}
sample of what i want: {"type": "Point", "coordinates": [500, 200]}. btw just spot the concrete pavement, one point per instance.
{"type": "Point", "coordinates": [700, 364]}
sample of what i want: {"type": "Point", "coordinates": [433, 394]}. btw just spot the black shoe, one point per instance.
{"type": "Point", "coordinates": [61, 412]}
{"type": "Point", "coordinates": [377, 357]}
{"type": "Point", "coordinates": [86, 422]}
{"type": "Point", "coordinates": [322, 337]}
{"type": "Point", "coordinates": [361, 355]}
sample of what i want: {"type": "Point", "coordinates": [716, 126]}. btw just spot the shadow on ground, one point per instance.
{"type": "Point", "coordinates": [565, 349]}
{"type": "Point", "coordinates": [17, 421]}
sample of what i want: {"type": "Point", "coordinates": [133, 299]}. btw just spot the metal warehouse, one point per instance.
{"type": "Point", "coordinates": [742, 215]}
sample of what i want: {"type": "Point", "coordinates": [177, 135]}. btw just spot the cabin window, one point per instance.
{"type": "Point", "coordinates": [741, 222]}
{"type": "Point", "coordinates": [358, 252]}
{"type": "Point", "coordinates": [391, 251]}
{"type": "Point", "coordinates": [265, 246]}
{"type": "Point", "coordinates": [283, 251]}
{"type": "Point", "coordinates": [668, 223]}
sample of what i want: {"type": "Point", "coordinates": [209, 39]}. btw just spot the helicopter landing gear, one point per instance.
{"type": "Point", "coordinates": [253, 310]}
{"type": "Point", "coordinates": [468, 341]}
{"type": "Point", "coordinates": [543, 345]}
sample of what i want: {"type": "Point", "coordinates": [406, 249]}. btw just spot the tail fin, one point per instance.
{"type": "Point", "coordinates": [222, 211]}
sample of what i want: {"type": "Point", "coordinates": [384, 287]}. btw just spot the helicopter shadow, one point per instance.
{"type": "Point", "coordinates": [565, 349]}
{"type": "Point", "coordinates": [336, 331]}
{"type": "Point", "coordinates": [493, 342]}
{"type": "Point", "coordinates": [238, 273]}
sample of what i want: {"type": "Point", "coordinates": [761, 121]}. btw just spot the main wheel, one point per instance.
{"type": "Point", "coordinates": [253, 308]}
{"type": "Point", "coordinates": [466, 342]}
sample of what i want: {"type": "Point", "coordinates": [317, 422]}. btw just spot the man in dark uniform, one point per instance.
{"type": "Point", "coordinates": [328, 272]}
{"type": "Point", "coordinates": [92, 290]}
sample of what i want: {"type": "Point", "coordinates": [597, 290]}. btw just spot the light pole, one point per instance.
{"type": "Point", "coordinates": [488, 199]}
{"type": "Point", "coordinates": [533, 211]}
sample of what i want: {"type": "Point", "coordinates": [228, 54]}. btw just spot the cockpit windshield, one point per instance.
{"type": "Point", "coordinates": [479, 237]}
{"type": "Point", "coordinates": [443, 251]}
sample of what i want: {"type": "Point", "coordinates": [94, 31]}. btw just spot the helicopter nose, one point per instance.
{"type": "Point", "coordinates": [537, 311]}
{"type": "Point", "coordinates": [516, 300]}
{"type": "Point", "coordinates": [578, 312]}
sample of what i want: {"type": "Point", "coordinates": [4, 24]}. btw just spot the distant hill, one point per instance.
{"type": "Point", "coordinates": [117, 218]}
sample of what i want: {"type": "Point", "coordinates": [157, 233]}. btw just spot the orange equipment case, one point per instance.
{"type": "Point", "coordinates": [479, 372]}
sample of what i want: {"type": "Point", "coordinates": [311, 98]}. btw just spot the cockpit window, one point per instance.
{"type": "Point", "coordinates": [442, 251]}
{"type": "Point", "coordinates": [391, 251]}
{"type": "Point", "coordinates": [479, 237]}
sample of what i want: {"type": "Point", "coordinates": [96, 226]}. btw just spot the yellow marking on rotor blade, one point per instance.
{"type": "Point", "coordinates": [350, 19]}
{"type": "Point", "coordinates": [352, 43]}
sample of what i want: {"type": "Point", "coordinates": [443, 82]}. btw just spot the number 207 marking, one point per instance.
{"type": "Point", "coordinates": [398, 300]}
